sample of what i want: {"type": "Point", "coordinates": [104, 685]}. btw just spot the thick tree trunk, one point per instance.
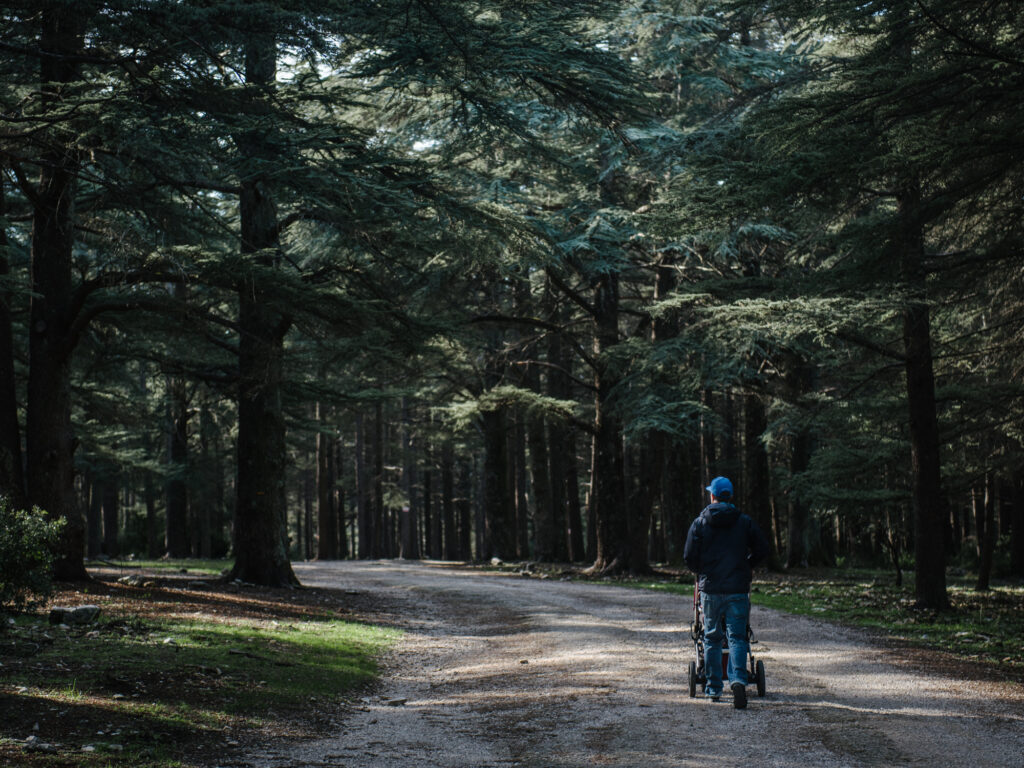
{"type": "Point", "coordinates": [326, 514]}
{"type": "Point", "coordinates": [929, 523]}
{"type": "Point", "coordinates": [499, 537]}
{"type": "Point", "coordinates": [50, 443]}
{"type": "Point", "coordinates": [12, 476]}
{"type": "Point", "coordinates": [261, 525]}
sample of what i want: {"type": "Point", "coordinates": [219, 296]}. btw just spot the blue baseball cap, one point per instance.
{"type": "Point", "coordinates": [720, 487]}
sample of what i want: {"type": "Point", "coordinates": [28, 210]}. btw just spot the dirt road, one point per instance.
{"type": "Point", "coordinates": [499, 670]}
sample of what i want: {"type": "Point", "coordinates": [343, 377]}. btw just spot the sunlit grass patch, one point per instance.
{"type": "Point", "coordinates": [172, 680]}
{"type": "Point", "coordinates": [987, 627]}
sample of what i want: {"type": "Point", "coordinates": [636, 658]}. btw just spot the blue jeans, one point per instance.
{"type": "Point", "coordinates": [736, 610]}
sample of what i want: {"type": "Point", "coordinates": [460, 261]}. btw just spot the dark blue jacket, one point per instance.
{"type": "Point", "coordinates": [722, 547]}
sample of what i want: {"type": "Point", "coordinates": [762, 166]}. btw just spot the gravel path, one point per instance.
{"type": "Point", "coordinates": [497, 670]}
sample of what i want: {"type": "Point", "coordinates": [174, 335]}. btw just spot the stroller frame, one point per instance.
{"type": "Point", "coordinates": [697, 675]}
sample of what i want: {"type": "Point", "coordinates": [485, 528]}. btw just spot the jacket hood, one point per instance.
{"type": "Point", "coordinates": [721, 515]}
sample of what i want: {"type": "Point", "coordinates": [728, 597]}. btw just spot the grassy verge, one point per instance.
{"type": "Point", "coordinates": [172, 671]}
{"type": "Point", "coordinates": [985, 629]}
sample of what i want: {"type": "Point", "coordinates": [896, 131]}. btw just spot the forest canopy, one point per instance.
{"type": "Point", "coordinates": [515, 280]}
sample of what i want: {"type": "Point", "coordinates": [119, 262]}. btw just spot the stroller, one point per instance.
{"type": "Point", "coordinates": [697, 674]}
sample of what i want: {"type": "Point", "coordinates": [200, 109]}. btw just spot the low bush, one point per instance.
{"type": "Point", "coordinates": [26, 556]}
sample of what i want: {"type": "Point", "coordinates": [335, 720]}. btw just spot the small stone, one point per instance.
{"type": "Point", "coordinates": [496, 561]}
{"type": "Point", "coordinates": [89, 748]}
{"type": "Point", "coordinates": [170, 641]}
{"type": "Point", "coordinates": [395, 702]}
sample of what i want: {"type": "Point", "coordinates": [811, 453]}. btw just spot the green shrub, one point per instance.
{"type": "Point", "coordinates": [26, 557]}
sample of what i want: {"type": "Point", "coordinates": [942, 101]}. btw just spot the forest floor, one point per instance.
{"type": "Point", "coordinates": [479, 669]}
{"type": "Point", "coordinates": [516, 670]}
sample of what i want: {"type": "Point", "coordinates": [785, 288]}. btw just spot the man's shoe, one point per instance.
{"type": "Point", "coordinates": [739, 695]}
{"type": "Point", "coordinates": [714, 695]}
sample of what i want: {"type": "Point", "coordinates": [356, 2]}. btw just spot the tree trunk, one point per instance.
{"type": "Point", "coordinates": [451, 539]}
{"type": "Point", "coordinates": [930, 569]}
{"type": "Point", "coordinates": [987, 539]}
{"type": "Point", "coordinates": [464, 507]}
{"type": "Point", "coordinates": [111, 516]}
{"type": "Point", "coordinates": [153, 538]}
{"type": "Point", "coordinates": [546, 532]}
{"type": "Point", "coordinates": [708, 454]}
{"type": "Point", "coordinates": [339, 500]}
{"type": "Point", "coordinates": [363, 512]}
{"type": "Point", "coordinates": [381, 536]}
{"type": "Point", "coordinates": [12, 477]}
{"type": "Point", "coordinates": [614, 546]}
{"type": "Point", "coordinates": [326, 514]}
{"type": "Point", "coordinates": [499, 514]}
{"type": "Point", "coordinates": [177, 488]}
{"type": "Point", "coordinates": [565, 503]}
{"type": "Point", "coordinates": [94, 515]}
{"type": "Point", "coordinates": [1017, 527]}
{"type": "Point", "coordinates": [409, 532]}
{"type": "Point", "coordinates": [50, 443]}
{"type": "Point", "coordinates": [799, 516]}
{"type": "Point", "coordinates": [261, 525]}
{"type": "Point", "coordinates": [755, 493]}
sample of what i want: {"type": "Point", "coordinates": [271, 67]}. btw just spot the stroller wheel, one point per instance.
{"type": "Point", "coordinates": [693, 679]}
{"type": "Point", "coordinates": [759, 678]}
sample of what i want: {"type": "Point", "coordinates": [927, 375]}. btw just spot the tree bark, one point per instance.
{"type": "Point", "coordinates": [94, 515]}
{"type": "Point", "coordinates": [326, 514]}
{"type": "Point", "coordinates": [499, 514]}
{"type": "Point", "coordinates": [1017, 527]}
{"type": "Point", "coordinates": [987, 537]}
{"type": "Point", "coordinates": [799, 516]}
{"type": "Point", "coordinates": [261, 538]}
{"type": "Point", "coordinates": [12, 476]}
{"type": "Point", "coordinates": [409, 532]}
{"type": "Point", "coordinates": [363, 512]}
{"type": "Point", "coordinates": [929, 525]}
{"type": "Point", "coordinates": [755, 493]}
{"type": "Point", "coordinates": [111, 516]}
{"type": "Point", "coordinates": [614, 545]}
{"type": "Point", "coordinates": [451, 539]}
{"type": "Point", "coordinates": [177, 544]}
{"type": "Point", "coordinates": [50, 441]}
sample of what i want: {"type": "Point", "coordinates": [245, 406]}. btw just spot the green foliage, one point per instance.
{"type": "Point", "coordinates": [26, 543]}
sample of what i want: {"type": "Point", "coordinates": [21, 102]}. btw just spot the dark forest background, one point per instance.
{"type": "Point", "coordinates": [461, 280]}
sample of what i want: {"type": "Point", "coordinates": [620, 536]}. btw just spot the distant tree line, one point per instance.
{"type": "Point", "coordinates": [463, 281]}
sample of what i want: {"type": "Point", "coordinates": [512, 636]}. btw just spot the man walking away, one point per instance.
{"type": "Point", "coordinates": [722, 548]}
